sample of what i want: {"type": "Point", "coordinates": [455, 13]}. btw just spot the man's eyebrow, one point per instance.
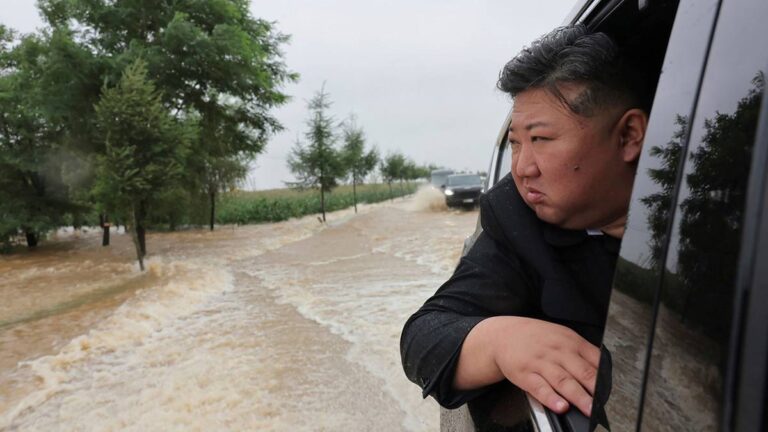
{"type": "Point", "coordinates": [531, 125]}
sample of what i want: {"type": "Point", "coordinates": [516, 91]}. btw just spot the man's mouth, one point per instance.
{"type": "Point", "coordinates": [533, 195]}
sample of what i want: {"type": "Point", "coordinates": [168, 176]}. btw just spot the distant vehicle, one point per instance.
{"type": "Point", "coordinates": [437, 177]}
{"type": "Point", "coordinates": [463, 189]}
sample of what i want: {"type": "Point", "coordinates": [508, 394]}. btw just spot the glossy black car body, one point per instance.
{"type": "Point", "coordinates": [463, 190]}
{"type": "Point", "coordinates": [687, 326]}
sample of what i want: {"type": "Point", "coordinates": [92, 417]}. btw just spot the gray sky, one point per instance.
{"type": "Point", "coordinates": [419, 76]}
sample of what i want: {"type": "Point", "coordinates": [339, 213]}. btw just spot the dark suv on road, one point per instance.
{"type": "Point", "coordinates": [687, 326]}
{"type": "Point", "coordinates": [462, 190]}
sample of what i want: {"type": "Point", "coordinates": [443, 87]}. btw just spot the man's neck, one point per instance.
{"type": "Point", "coordinates": [616, 228]}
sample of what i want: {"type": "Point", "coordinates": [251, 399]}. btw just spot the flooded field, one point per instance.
{"type": "Point", "coordinates": [286, 326]}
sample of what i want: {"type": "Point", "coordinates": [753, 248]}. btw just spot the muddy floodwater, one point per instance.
{"type": "Point", "coordinates": [285, 326]}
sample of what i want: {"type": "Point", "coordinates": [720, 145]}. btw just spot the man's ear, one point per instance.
{"type": "Point", "coordinates": [631, 130]}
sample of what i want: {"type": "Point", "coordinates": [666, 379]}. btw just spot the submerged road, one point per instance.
{"type": "Point", "coordinates": [286, 326]}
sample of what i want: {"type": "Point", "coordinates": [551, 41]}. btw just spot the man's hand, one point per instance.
{"type": "Point", "coordinates": [551, 362]}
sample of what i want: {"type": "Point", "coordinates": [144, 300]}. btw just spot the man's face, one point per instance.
{"type": "Point", "coordinates": [569, 169]}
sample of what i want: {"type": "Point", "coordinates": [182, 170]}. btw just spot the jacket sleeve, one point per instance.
{"type": "Point", "coordinates": [488, 281]}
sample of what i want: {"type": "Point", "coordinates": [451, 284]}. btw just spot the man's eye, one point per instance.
{"type": "Point", "coordinates": [512, 142]}
{"type": "Point", "coordinates": [539, 138]}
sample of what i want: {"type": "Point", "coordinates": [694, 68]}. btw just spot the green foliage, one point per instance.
{"type": "Point", "coordinates": [357, 162]}
{"type": "Point", "coordinates": [145, 111]}
{"type": "Point", "coordinates": [397, 167]}
{"type": "Point", "coordinates": [317, 164]}
{"type": "Point", "coordinates": [211, 60]}
{"type": "Point", "coordinates": [411, 171]}
{"type": "Point", "coordinates": [145, 148]}
{"type": "Point", "coordinates": [218, 71]}
{"type": "Point", "coordinates": [393, 167]}
{"type": "Point", "coordinates": [33, 196]}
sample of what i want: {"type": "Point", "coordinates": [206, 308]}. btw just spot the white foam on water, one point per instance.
{"type": "Point", "coordinates": [438, 253]}
{"type": "Point", "coordinates": [149, 312]}
{"type": "Point", "coordinates": [191, 352]}
{"type": "Point", "coordinates": [151, 328]}
{"type": "Point", "coordinates": [369, 314]}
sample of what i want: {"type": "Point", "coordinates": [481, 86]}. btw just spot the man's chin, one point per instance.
{"type": "Point", "coordinates": [546, 214]}
{"type": "Point", "coordinates": [552, 217]}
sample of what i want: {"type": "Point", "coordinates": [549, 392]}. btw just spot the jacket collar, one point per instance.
{"type": "Point", "coordinates": [560, 237]}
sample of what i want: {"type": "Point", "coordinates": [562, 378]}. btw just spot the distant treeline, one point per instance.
{"type": "Point", "coordinates": [320, 163]}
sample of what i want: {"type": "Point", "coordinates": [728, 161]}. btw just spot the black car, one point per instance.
{"type": "Point", "coordinates": [462, 190]}
{"type": "Point", "coordinates": [687, 326]}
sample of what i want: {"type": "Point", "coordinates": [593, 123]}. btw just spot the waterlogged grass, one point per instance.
{"type": "Point", "coordinates": [241, 207]}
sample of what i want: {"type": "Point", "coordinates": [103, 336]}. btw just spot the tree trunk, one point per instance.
{"type": "Point", "coordinates": [322, 201]}
{"type": "Point", "coordinates": [140, 229]}
{"type": "Point", "coordinates": [136, 242]}
{"type": "Point", "coordinates": [212, 194]}
{"type": "Point", "coordinates": [104, 221]}
{"type": "Point", "coordinates": [77, 223]}
{"type": "Point", "coordinates": [391, 197]}
{"type": "Point", "coordinates": [32, 238]}
{"type": "Point", "coordinates": [354, 192]}
{"type": "Point", "coordinates": [402, 191]}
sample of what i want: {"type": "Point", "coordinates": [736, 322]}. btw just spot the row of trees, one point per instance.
{"type": "Point", "coordinates": [133, 111]}
{"type": "Point", "coordinates": [321, 163]}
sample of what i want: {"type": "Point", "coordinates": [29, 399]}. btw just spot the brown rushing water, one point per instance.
{"type": "Point", "coordinates": [286, 326]}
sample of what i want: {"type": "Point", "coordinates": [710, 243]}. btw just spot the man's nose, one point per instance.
{"type": "Point", "coordinates": [524, 162]}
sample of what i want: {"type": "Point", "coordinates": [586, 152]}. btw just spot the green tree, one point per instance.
{"type": "Point", "coordinates": [318, 164]}
{"type": "Point", "coordinates": [356, 160]}
{"type": "Point", "coordinates": [33, 196]}
{"type": "Point", "coordinates": [422, 172]}
{"type": "Point", "coordinates": [210, 58]}
{"type": "Point", "coordinates": [392, 168]}
{"type": "Point", "coordinates": [144, 150]}
{"type": "Point", "coordinates": [413, 171]}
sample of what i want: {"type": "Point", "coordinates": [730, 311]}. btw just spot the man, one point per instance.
{"type": "Point", "coordinates": [528, 302]}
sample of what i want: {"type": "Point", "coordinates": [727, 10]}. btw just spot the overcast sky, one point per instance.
{"type": "Point", "coordinates": [419, 75]}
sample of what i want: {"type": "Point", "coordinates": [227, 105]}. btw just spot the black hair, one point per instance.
{"type": "Point", "coordinates": [574, 55]}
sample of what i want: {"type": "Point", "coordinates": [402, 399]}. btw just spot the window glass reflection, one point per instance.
{"type": "Point", "coordinates": [638, 269]}
{"type": "Point", "coordinates": [686, 372]}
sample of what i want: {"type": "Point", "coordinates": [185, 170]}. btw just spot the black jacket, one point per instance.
{"type": "Point", "coordinates": [518, 266]}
